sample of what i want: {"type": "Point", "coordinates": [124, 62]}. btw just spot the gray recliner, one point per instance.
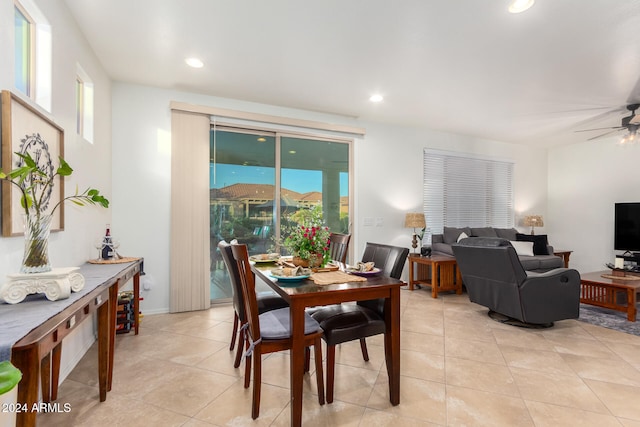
{"type": "Point", "coordinates": [494, 278]}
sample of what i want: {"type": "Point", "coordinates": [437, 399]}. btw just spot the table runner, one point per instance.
{"type": "Point", "coordinates": [17, 320]}
{"type": "Point", "coordinates": [332, 277]}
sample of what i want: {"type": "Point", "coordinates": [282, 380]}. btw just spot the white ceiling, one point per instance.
{"type": "Point", "coordinates": [463, 66]}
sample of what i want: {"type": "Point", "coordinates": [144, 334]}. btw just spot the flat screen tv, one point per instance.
{"type": "Point", "coordinates": [627, 227]}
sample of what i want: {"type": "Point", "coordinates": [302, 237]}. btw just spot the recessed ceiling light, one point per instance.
{"type": "Point", "coordinates": [292, 151]}
{"type": "Point", "coordinates": [517, 6]}
{"type": "Point", "coordinates": [262, 139]}
{"type": "Point", "coordinates": [376, 98]}
{"type": "Point", "coordinates": [194, 62]}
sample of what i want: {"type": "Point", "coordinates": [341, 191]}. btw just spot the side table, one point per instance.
{"type": "Point", "coordinates": [565, 256]}
{"type": "Point", "coordinates": [444, 273]}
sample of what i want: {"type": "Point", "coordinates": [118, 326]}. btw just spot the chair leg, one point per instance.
{"type": "Point", "coordinates": [242, 339]}
{"type": "Point", "coordinates": [363, 347]}
{"type": "Point", "coordinates": [235, 331]}
{"type": "Point", "coordinates": [247, 367]}
{"type": "Point", "coordinates": [319, 374]}
{"type": "Point", "coordinates": [307, 358]}
{"type": "Point", "coordinates": [257, 382]}
{"type": "Point", "coordinates": [331, 364]}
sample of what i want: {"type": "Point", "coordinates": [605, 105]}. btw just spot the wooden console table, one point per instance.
{"type": "Point", "coordinates": [32, 332]}
{"type": "Point", "coordinates": [444, 274]}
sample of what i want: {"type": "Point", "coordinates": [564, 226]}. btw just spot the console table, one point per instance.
{"type": "Point", "coordinates": [32, 331]}
{"type": "Point", "coordinates": [444, 274]}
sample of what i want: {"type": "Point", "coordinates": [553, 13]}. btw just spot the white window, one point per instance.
{"type": "Point", "coordinates": [465, 190]}
{"type": "Point", "coordinates": [32, 56]}
{"type": "Point", "coordinates": [84, 105]}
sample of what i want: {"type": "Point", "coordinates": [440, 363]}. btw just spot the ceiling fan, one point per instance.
{"type": "Point", "coordinates": [630, 122]}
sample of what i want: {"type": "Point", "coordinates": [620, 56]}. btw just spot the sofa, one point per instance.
{"type": "Point", "coordinates": [534, 252]}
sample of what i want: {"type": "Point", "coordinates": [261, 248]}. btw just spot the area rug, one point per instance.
{"type": "Point", "coordinates": [608, 319]}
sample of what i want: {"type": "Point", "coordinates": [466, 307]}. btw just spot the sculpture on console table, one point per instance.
{"type": "Point", "coordinates": [35, 180]}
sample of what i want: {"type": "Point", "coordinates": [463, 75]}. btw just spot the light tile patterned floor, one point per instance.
{"type": "Point", "coordinates": [459, 368]}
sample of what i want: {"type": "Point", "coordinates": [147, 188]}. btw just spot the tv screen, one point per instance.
{"type": "Point", "coordinates": [627, 227]}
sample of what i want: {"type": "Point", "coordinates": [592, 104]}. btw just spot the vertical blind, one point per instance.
{"type": "Point", "coordinates": [465, 190]}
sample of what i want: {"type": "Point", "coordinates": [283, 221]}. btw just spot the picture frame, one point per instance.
{"type": "Point", "coordinates": [23, 128]}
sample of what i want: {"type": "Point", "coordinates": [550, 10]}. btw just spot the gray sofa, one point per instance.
{"type": "Point", "coordinates": [542, 260]}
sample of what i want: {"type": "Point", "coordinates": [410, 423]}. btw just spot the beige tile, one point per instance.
{"type": "Point", "coordinates": [425, 343]}
{"type": "Point", "coordinates": [349, 353]}
{"type": "Point", "coordinates": [233, 407]}
{"type": "Point", "coordinates": [468, 407]}
{"type": "Point", "coordinates": [373, 418]}
{"type": "Point", "coordinates": [191, 391]}
{"type": "Point", "coordinates": [480, 351]}
{"type": "Point", "coordinates": [548, 415]}
{"type": "Point", "coordinates": [564, 390]}
{"type": "Point", "coordinates": [601, 369]}
{"type": "Point", "coordinates": [424, 323]}
{"type": "Point", "coordinates": [425, 366]}
{"type": "Point", "coordinates": [419, 399]}
{"type": "Point", "coordinates": [353, 385]}
{"type": "Point", "coordinates": [531, 339]}
{"type": "Point", "coordinates": [543, 361]}
{"type": "Point", "coordinates": [480, 376]}
{"type": "Point", "coordinates": [581, 347]}
{"type": "Point", "coordinates": [477, 331]}
{"type": "Point", "coordinates": [335, 414]}
{"type": "Point", "coordinates": [622, 400]}
{"type": "Point", "coordinates": [627, 352]}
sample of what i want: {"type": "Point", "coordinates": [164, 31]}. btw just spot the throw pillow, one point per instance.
{"type": "Point", "coordinates": [523, 248]}
{"type": "Point", "coordinates": [540, 242]}
{"type": "Point", "coordinates": [451, 234]}
{"type": "Point", "coordinates": [462, 235]}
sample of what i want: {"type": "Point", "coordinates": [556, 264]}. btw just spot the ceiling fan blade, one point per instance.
{"type": "Point", "coordinates": [604, 134]}
{"type": "Point", "coordinates": [610, 127]}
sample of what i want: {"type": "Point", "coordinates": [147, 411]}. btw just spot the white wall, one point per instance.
{"type": "Point", "coordinates": [585, 181]}
{"type": "Point", "coordinates": [91, 162]}
{"type": "Point", "coordinates": [388, 175]}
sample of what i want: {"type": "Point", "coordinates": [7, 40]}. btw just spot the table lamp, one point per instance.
{"type": "Point", "coordinates": [533, 221]}
{"type": "Point", "coordinates": [414, 220]}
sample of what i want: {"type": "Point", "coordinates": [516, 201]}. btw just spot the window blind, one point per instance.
{"type": "Point", "coordinates": [465, 190]}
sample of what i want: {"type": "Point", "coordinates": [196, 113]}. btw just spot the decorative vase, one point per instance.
{"type": "Point", "coordinates": [36, 243]}
{"type": "Point", "coordinates": [314, 261]}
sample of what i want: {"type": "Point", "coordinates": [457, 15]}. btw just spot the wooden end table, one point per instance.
{"type": "Point", "coordinates": [444, 273]}
{"type": "Point", "coordinates": [616, 294]}
{"type": "Point", "coordinates": [565, 256]}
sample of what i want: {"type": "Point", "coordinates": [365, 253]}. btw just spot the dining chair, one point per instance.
{"type": "Point", "coordinates": [339, 246]}
{"type": "Point", "coordinates": [348, 322]}
{"type": "Point", "coordinates": [266, 301]}
{"type": "Point", "coordinates": [270, 332]}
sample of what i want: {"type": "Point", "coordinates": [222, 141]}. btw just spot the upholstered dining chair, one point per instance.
{"type": "Point", "coordinates": [339, 246]}
{"type": "Point", "coordinates": [266, 301]}
{"type": "Point", "coordinates": [270, 332]}
{"type": "Point", "coordinates": [348, 322]}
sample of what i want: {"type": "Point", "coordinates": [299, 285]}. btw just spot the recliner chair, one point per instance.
{"type": "Point", "coordinates": [494, 278]}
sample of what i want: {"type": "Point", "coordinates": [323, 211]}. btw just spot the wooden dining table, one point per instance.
{"type": "Point", "coordinates": [306, 293]}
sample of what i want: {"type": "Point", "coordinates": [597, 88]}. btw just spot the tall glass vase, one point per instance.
{"type": "Point", "coordinates": [36, 243]}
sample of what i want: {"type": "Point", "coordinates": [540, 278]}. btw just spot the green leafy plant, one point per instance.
{"type": "Point", "coordinates": [35, 183]}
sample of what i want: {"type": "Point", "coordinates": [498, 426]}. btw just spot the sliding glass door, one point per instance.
{"type": "Point", "coordinates": [258, 179]}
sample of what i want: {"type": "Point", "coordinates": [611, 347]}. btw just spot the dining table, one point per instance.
{"type": "Point", "coordinates": [307, 293]}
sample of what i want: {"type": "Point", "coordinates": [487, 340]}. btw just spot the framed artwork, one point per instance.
{"type": "Point", "coordinates": [24, 129]}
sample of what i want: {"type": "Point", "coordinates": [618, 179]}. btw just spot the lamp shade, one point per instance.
{"type": "Point", "coordinates": [533, 221]}
{"type": "Point", "coordinates": [415, 220]}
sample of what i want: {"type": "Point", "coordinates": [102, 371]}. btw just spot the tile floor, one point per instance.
{"type": "Point", "coordinates": [459, 368]}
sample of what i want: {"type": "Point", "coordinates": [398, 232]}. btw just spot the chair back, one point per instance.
{"type": "Point", "coordinates": [339, 246]}
{"type": "Point", "coordinates": [234, 276]}
{"type": "Point", "coordinates": [248, 289]}
{"type": "Point", "coordinates": [390, 259]}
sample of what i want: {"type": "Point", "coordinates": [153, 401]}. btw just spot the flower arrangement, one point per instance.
{"type": "Point", "coordinates": [308, 238]}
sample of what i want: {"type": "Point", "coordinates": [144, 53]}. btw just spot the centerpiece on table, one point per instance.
{"type": "Point", "coordinates": [35, 183]}
{"type": "Point", "coordinates": [308, 239]}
